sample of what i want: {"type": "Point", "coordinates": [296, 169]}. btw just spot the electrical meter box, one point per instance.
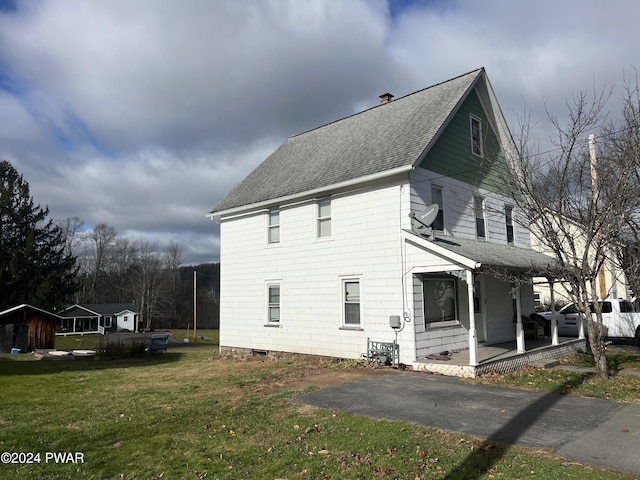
{"type": "Point", "coordinates": [394, 321]}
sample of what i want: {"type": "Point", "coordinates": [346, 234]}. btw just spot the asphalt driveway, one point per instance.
{"type": "Point", "coordinates": [593, 432]}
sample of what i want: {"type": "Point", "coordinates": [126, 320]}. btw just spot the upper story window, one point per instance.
{"type": "Point", "coordinates": [437, 198]}
{"type": "Point", "coordinates": [476, 137]}
{"type": "Point", "coordinates": [479, 214]}
{"type": "Point", "coordinates": [324, 218]}
{"type": "Point", "coordinates": [508, 218]}
{"type": "Point", "coordinates": [274, 226]}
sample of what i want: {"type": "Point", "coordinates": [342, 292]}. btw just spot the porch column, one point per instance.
{"type": "Point", "coordinates": [473, 337]}
{"type": "Point", "coordinates": [519, 329]}
{"type": "Point", "coordinates": [581, 326]}
{"type": "Point", "coordinates": [554, 321]}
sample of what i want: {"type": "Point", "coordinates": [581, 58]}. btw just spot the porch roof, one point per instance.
{"type": "Point", "coordinates": [498, 255]}
{"type": "Point", "coordinates": [479, 254]}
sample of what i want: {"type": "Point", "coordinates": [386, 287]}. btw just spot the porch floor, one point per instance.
{"type": "Point", "coordinates": [501, 357]}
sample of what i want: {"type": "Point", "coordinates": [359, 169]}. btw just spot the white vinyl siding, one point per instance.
{"type": "Point", "coordinates": [311, 274]}
{"type": "Point", "coordinates": [459, 215]}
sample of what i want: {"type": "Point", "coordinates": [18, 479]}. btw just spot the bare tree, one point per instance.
{"type": "Point", "coordinates": [172, 286]}
{"type": "Point", "coordinates": [574, 202]}
{"type": "Point", "coordinates": [623, 150]}
{"type": "Point", "coordinates": [120, 259]}
{"type": "Point", "coordinates": [73, 231]}
{"type": "Point", "coordinates": [147, 281]}
{"type": "Point", "coordinates": [102, 238]}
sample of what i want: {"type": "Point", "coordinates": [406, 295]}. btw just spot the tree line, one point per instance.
{"type": "Point", "coordinates": [114, 269]}
{"type": "Point", "coordinates": [54, 263]}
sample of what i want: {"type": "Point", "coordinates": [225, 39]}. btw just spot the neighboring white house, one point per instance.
{"type": "Point", "coordinates": [319, 252]}
{"type": "Point", "coordinates": [98, 318]}
{"type": "Point", "coordinates": [611, 280]}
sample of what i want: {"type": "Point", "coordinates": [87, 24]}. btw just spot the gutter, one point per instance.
{"type": "Point", "coordinates": [310, 193]}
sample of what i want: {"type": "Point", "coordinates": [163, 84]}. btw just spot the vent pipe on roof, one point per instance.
{"type": "Point", "coordinates": [385, 98]}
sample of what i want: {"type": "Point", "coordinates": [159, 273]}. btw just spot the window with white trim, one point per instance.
{"type": "Point", "coordinates": [508, 219]}
{"type": "Point", "coordinates": [478, 207]}
{"type": "Point", "coordinates": [273, 303]}
{"type": "Point", "coordinates": [537, 299]}
{"type": "Point", "coordinates": [437, 198]}
{"type": "Point", "coordinates": [440, 300]}
{"type": "Point", "coordinates": [274, 226]}
{"type": "Point", "coordinates": [351, 302]}
{"type": "Point", "coordinates": [324, 218]}
{"type": "Point", "coordinates": [476, 136]}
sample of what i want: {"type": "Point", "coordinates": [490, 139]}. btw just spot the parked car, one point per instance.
{"type": "Point", "coordinates": [618, 316]}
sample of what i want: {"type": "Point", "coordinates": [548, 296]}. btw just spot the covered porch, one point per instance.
{"type": "Point", "coordinates": [84, 325]}
{"type": "Point", "coordinates": [490, 295]}
{"type": "Point", "coordinates": [501, 358]}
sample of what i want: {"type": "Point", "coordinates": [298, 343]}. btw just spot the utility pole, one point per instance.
{"type": "Point", "coordinates": [195, 318]}
{"type": "Point", "coordinates": [595, 199]}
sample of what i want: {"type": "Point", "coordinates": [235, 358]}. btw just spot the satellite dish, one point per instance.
{"type": "Point", "coordinates": [428, 215]}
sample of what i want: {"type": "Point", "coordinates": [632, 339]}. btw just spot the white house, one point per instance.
{"type": "Point", "coordinates": [98, 318]}
{"type": "Point", "coordinates": [319, 251]}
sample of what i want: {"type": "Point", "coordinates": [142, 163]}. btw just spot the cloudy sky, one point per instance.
{"type": "Point", "coordinates": [144, 113]}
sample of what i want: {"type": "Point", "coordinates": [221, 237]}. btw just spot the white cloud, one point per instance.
{"type": "Point", "coordinates": [144, 114]}
{"type": "Point", "coordinates": [179, 74]}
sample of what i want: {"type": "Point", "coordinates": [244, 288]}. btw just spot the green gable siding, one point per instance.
{"type": "Point", "coordinates": [451, 154]}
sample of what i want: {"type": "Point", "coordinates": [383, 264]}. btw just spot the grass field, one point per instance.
{"type": "Point", "coordinates": [191, 414]}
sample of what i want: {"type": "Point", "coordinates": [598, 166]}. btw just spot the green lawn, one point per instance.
{"type": "Point", "coordinates": [191, 414]}
{"type": "Point", "coordinates": [91, 342]}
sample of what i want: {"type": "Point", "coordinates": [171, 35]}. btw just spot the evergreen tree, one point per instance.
{"type": "Point", "coordinates": [34, 266]}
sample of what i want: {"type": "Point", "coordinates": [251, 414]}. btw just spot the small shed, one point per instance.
{"type": "Point", "coordinates": [26, 327]}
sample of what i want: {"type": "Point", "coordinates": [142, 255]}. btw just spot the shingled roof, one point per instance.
{"type": "Point", "coordinates": [386, 138]}
{"type": "Point", "coordinates": [498, 255]}
{"type": "Point", "coordinates": [98, 308]}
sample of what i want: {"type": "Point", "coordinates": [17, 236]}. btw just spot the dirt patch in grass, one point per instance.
{"type": "Point", "coordinates": [328, 378]}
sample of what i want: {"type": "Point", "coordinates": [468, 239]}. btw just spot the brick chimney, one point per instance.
{"type": "Point", "coordinates": [385, 98]}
